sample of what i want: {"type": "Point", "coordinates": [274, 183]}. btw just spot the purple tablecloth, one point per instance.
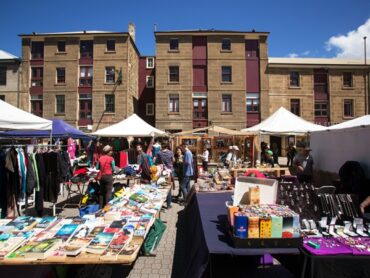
{"type": "Point", "coordinates": [207, 236]}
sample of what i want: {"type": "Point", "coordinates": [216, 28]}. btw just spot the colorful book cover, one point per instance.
{"type": "Point", "coordinates": [265, 228]}
{"type": "Point", "coordinates": [288, 227]}
{"type": "Point", "coordinates": [19, 253]}
{"type": "Point", "coordinates": [119, 241]}
{"type": "Point", "coordinates": [276, 226]}
{"type": "Point", "coordinates": [79, 220]}
{"type": "Point", "coordinates": [66, 231]}
{"type": "Point", "coordinates": [23, 223]}
{"type": "Point", "coordinates": [95, 231]}
{"type": "Point", "coordinates": [253, 227]}
{"type": "Point", "coordinates": [10, 245]}
{"type": "Point", "coordinates": [100, 243]}
{"type": "Point", "coordinates": [296, 226]}
{"type": "Point", "coordinates": [78, 241]}
{"type": "Point", "coordinates": [129, 250]}
{"type": "Point", "coordinates": [43, 248]}
{"type": "Point", "coordinates": [46, 222]}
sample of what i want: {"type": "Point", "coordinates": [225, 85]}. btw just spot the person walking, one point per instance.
{"type": "Point", "coordinates": [304, 164]}
{"type": "Point", "coordinates": [188, 172]}
{"type": "Point", "coordinates": [291, 153]}
{"type": "Point", "coordinates": [178, 166]}
{"type": "Point", "coordinates": [106, 166]}
{"type": "Point", "coordinates": [165, 157]}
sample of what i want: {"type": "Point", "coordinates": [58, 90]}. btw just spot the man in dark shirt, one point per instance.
{"type": "Point", "coordinates": [304, 164]}
{"type": "Point", "coordinates": [165, 157]}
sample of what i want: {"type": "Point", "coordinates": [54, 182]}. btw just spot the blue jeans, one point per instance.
{"type": "Point", "coordinates": [185, 186]}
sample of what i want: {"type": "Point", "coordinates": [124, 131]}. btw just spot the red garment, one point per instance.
{"type": "Point", "coordinates": [123, 161]}
{"type": "Point", "coordinates": [80, 171]}
{"type": "Point", "coordinates": [254, 173]}
{"type": "Point", "coordinates": [105, 165]}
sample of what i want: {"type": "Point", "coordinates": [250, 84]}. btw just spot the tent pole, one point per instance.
{"type": "Point", "coordinates": [259, 146]}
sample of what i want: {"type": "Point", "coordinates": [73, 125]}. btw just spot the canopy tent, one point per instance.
{"type": "Point", "coordinates": [132, 126]}
{"type": "Point", "coordinates": [61, 129]}
{"type": "Point", "coordinates": [14, 118]}
{"type": "Point", "coordinates": [283, 122]}
{"type": "Point", "coordinates": [213, 128]}
{"type": "Point", "coordinates": [357, 122]}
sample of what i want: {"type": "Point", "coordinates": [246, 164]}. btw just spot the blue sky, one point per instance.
{"type": "Point", "coordinates": [298, 27]}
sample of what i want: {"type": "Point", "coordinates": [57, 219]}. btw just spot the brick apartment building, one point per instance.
{"type": "Point", "coordinates": [9, 78]}
{"type": "Point", "coordinates": [207, 76]}
{"type": "Point", "coordinates": [75, 76]}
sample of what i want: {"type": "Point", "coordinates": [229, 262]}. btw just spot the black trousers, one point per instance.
{"type": "Point", "coordinates": [106, 186]}
{"type": "Point", "coordinates": [205, 166]}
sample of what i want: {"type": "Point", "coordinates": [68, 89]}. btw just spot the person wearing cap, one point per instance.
{"type": "Point", "coordinates": [269, 157]}
{"type": "Point", "coordinates": [106, 166]}
{"type": "Point", "coordinates": [304, 165]}
{"type": "Point", "coordinates": [235, 154]}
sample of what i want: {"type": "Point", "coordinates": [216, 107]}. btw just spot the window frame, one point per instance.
{"type": "Point", "coordinates": [62, 111]}
{"type": "Point", "coordinates": [352, 103]}
{"type": "Point", "coordinates": [106, 75]}
{"type": "Point", "coordinates": [147, 105]}
{"type": "Point", "coordinates": [39, 78]}
{"type": "Point", "coordinates": [226, 74]}
{"type": "Point", "coordinates": [58, 47]}
{"type": "Point", "coordinates": [230, 105]}
{"type": "Point", "coordinates": [177, 49]}
{"type": "Point", "coordinates": [58, 82]}
{"type": "Point", "coordinates": [321, 109]}
{"type": "Point", "coordinates": [3, 75]}
{"type": "Point", "coordinates": [298, 79]}
{"type": "Point", "coordinates": [147, 62]}
{"type": "Point", "coordinates": [86, 70]}
{"type": "Point", "coordinates": [253, 97]}
{"type": "Point", "coordinates": [112, 111]}
{"type": "Point", "coordinates": [173, 109]}
{"type": "Point", "coordinates": [36, 54]}
{"type": "Point", "coordinates": [2, 97]}
{"type": "Point", "coordinates": [297, 104]}
{"type": "Point", "coordinates": [114, 45]}
{"type": "Point", "coordinates": [149, 77]}
{"type": "Point", "coordinates": [222, 45]}
{"type": "Point", "coordinates": [345, 86]}
{"type": "Point", "coordinates": [169, 74]}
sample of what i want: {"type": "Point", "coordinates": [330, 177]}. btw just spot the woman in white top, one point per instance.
{"type": "Point", "coordinates": [204, 156]}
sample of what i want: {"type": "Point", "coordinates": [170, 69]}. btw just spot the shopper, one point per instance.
{"type": "Point", "coordinates": [205, 156]}
{"type": "Point", "coordinates": [145, 162]}
{"type": "Point", "coordinates": [229, 156]}
{"type": "Point", "coordinates": [304, 165]}
{"type": "Point", "coordinates": [106, 166]}
{"type": "Point", "coordinates": [291, 153]}
{"type": "Point", "coordinates": [178, 166]}
{"type": "Point", "coordinates": [165, 157]}
{"type": "Point", "coordinates": [188, 172]}
{"type": "Point", "coordinates": [275, 153]}
{"type": "Point", "coordinates": [156, 148]}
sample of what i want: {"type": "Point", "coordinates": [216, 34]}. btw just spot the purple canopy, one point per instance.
{"type": "Point", "coordinates": [60, 130]}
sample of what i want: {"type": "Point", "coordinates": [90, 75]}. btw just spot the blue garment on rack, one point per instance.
{"type": "Point", "coordinates": [23, 170]}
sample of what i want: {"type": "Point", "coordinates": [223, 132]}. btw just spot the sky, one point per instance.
{"type": "Point", "coordinates": [298, 28]}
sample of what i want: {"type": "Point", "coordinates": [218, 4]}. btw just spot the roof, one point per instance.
{"type": "Point", "coordinates": [216, 31]}
{"type": "Point", "coordinates": [315, 61]}
{"type": "Point", "coordinates": [7, 56]}
{"type": "Point", "coordinates": [83, 32]}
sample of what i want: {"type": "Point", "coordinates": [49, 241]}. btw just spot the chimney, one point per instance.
{"type": "Point", "coordinates": [131, 30]}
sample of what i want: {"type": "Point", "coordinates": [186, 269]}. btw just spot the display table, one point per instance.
{"type": "Point", "coordinates": [277, 171]}
{"type": "Point", "coordinates": [207, 239]}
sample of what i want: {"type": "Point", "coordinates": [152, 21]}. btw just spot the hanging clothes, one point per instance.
{"type": "Point", "coordinates": [39, 198]}
{"type": "Point", "coordinates": [22, 172]}
{"type": "Point", "coordinates": [71, 148]}
{"type": "Point", "coordinates": [52, 184]}
{"type": "Point", "coordinates": [13, 181]}
{"type": "Point", "coordinates": [3, 184]}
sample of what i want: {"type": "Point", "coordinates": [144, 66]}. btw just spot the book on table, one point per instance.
{"type": "Point", "coordinates": [43, 249]}
{"type": "Point", "coordinates": [100, 243]}
{"type": "Point", "coordinates": [78, 242]}
{"type": "Point", "coordinates": [66, 231]}
{"type": "Point", "coordinates": [19, 254]}
{"type": "Point", "coordinates": [9, 245]}
{"type": "Point", "coordinates": [22, 223]}
{"type": "Point", "coordinates": [46, 221]}
{"type": "Point", "coordinates": [115, 247]}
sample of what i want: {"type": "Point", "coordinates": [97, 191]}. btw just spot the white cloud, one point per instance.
{"type": "Point", "coordinates": [306, 53]}
{"type": "Point", "coordinates": [351, 45]}
{"type": "Point", "coordinates": [293, 55]}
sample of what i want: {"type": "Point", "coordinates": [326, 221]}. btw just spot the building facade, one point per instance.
{"type": "Point", "coordinates": [89, 78]}
{"type": "Point", "coordinates": [146, 107]}
{"type": "Point", "coordinates": [323, 91]}
{"type": "Point", "coordinates": [9, 78]}
{"type": "Point", "coordinates": [207, 77]}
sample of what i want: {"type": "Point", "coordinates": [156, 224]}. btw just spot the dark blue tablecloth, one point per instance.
{"type": "Point", "coordinates": [207, 236]}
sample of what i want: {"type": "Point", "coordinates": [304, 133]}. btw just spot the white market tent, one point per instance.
{"type": "Point", "coordinates": [363, 121]}
{"type": "Point", "coordinates": [132, 126]}
{"type": "Point", "coordinates": [283, 122]}
{"type": "Point", "coordinates": [12, 118]}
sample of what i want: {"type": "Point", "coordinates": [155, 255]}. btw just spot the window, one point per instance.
{"type": "Point", "coordinates": [86, 49]}
{"type": "Point", "coordinates": [174, 44]}
{"type": "Point", "coordinates": [110, 75]}
{"type": "Point", "coordinates": [85, 109]}
{"type": "Point", "coordinates": [295, 106]}
{"type": "Point", "coordinates": [110, 104]}
{"type": "Point", "coordinates": [150, 81]}
{"type": "Point", "coordinates": [294, 79]}
{"type": "Point", "coordinates": [37, 50]}
{"type": "Point", "coordinates": [226, 74]}
{"type": "Point", "coordinates": [149, 109]}
{"type": "Point", "coordinates": [2, 75]}
{"type": "Point", "coordinates": [226, 103]}
{"type": "Point", "coordinates": [60, 104]}
{"type": "Point", "coordinates": [61, 75]}
{"type": "Point", "coordinates": [174, 104]}
{"type": "Point", "coordinates": [149, 62]}
{"type": "Point", "coordinates": [37, 75]}
{"type": "Point", "coordinates": [61, 45]}
{"type": "Point", "coordinates": [348, 108]}
{"type": "Point", "coordinates": [86, 76]}
{"type": "Point", "coordinates": [321, 109]}
{"type": "Point", "coordinates": [347, 80]}
{"type": "Point", "coordinates": [174, 74]}
{"type": "Point", "coordinates": [226, 44]}
{"type": "Point", "coordinates": [253, 102]}
{"type": "Point", "coordinates": [2, 97]}
{"type": "Point", "coordinates": [37, 105]}
{"type": "Point", "coordinates": [111, 45]}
